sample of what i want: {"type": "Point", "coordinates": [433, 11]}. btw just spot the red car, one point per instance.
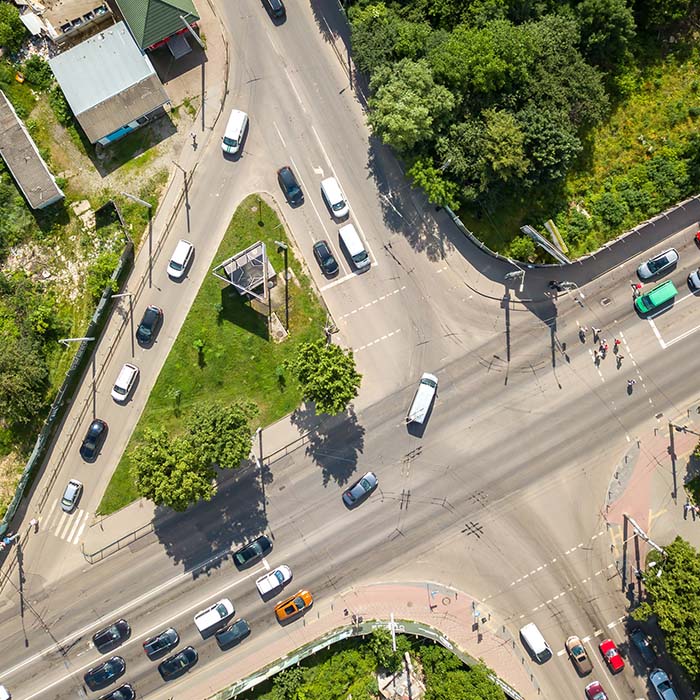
{"type": "Point", "coordinates": [594, 691]}
{"type": "Point", "coordinates": [611, 655]}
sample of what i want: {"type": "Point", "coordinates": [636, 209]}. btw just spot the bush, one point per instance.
{"type": "Point", "coordinates": [100, 275]}
{"type": "Point", "coordinates": [37, 72]}
{"type": "Point", "coordinates": [60, 106]}
{"type": "Point", "coordinates": [521, 248]}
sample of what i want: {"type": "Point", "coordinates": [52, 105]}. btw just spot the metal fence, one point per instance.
{"type": "Point", "coordinates": [360, 629]}
{"type": "Point", "coordinates": [70, 383]}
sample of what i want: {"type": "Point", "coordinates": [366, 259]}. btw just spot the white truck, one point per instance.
{"type": "Point", "coordinates": [277, 578]}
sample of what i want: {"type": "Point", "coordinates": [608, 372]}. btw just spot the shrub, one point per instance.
{"type": "Point", "coordinates": [37, 72]}
{"type": "Point", "coordinates": [60, 106]}
{"type": "Point", "coordinates": [521, 248]}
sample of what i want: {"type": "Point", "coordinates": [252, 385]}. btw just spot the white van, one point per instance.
{"type": "Point", "coordinates": [354, 247]}
{"type": "Point", "coordinates": [535, 644]}
{"type": "Point", "coordinates": [214, 615]}
{"type": "Point", "coordinates": [235, 129]}
{"type": "Point", "coordinates": [125, 382]}
{"type": "Point", "coordinates": [334, 198]}
{"type": "Point", "coordinates": [423, 398]}
{"type": "Point", "coordinates": [180, 259]}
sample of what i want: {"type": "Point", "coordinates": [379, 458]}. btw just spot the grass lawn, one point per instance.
{"type": "Point", "coordinates": [238, 361]}
{"type": "Point", "coordinates": [625, 160]}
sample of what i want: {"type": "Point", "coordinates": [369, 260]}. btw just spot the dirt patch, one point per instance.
{"type": "Point", "coordinates": [10, 471]}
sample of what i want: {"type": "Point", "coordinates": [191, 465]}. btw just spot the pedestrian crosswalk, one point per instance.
{"type": "Point", "coordinates": [66, 526]}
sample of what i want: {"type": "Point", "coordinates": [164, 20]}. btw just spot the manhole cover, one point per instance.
{"type": "Point", "coordinates": [605, 301]}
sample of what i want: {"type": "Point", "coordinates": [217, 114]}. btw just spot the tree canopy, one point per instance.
{"type": "Point", "coordinates": [327, 376]}
{"type": "Point", "coordinates": [12, 31]}
{"type": "Point", "coordinates": [674, 598]}
{"type": "Point", "coordinates": [179, 471]}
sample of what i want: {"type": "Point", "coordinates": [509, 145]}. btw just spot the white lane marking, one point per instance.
{"type": "Point", "coordinates": [47, 518]}
{"type": "Point", "coordinates": [279, 133]}
{"type": "Point", "coordinates": [370, 303]}
{"type": "Point", "coordinates": [121, 611]}
{"type": "Point", "coordinates": [377, 340]}
{"type": "Point", "coordinates": [76, 521]}
{"type": "Point", "coordinates": [340, 280]}
{"type": "Point", "coordinates": [63, 525]}
{"type": "Point", "coordinates": [80, 532]}
{"type": "Point", "coordinates": [135, 638]}
{"type": "Point", "coordinates": [323, 150]}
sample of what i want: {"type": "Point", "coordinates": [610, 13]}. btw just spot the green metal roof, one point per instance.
{"type": "Point", "coordinates": [151, 21]}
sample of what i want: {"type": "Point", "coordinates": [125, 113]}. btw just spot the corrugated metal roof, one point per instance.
{"type": "Point", "coordinates": [100, 68]}
{"type": "Point", "coordinates": [152, 21]}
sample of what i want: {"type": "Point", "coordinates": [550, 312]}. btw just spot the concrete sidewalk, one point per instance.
{"type": "Point", "coordinates": [445, 609]}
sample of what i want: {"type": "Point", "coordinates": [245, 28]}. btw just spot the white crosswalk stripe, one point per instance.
{"type": "Point", "coordinates": [66, 526]}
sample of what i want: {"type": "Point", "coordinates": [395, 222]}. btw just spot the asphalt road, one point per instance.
{"type": "Point", "coordinates": [502, 494]}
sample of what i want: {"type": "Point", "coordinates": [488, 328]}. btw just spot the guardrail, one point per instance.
{"type": "Point", "coordinates": [359, 629]}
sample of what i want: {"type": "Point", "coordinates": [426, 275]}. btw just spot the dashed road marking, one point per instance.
{"type": "Point", "coordinates": [377, 340]}
{"type": "Point", "coordinates": [371, 303]}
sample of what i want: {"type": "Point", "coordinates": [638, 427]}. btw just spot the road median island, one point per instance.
{"type": "Point", "coordinates": [223, 351]}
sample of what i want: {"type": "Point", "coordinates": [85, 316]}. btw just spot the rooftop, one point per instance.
{"type": "Point", "coordinates": [152, 21]}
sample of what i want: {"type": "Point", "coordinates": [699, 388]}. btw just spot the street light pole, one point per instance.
{"type": "Point", "coordinates": [131, 314]}
{"type": "Point", "coordinates": [150, 232]}
{"type": "Point", "coordinates": [283, 246]}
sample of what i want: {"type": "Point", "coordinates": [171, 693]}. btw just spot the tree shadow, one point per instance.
{"type": "Point", "coordinates": [334, 443]}
{"type": "Point", "coordinates": [210, 531]}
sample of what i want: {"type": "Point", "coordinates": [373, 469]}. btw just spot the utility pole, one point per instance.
{"type": "Point", "coordinates": [283, 246]}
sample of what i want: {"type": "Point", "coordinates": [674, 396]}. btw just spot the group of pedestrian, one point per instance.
{"type": "Point", "coordinates": [690, 508]}
{"type": "Point", "coordinates": [601, 351]}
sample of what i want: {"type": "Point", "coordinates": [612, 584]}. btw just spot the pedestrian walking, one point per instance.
{"type": "Point", "coordinates": [582, 333]}
{"type": "Point", "coordinates": [194, 140]}
{"type": "Point", "coordinates": [616, 344]}
{"type": "Point", "coordinates": [619, 360]}
{"type": "Point", "coordinates": [686, 508]}
{"type": "Point", "coordinates": [596, 333]}
{"type": "Point", "coordinates": [34, 523]}
{"type": "Point", "coordinates": [696, 511]}
{"type": "Point", "coordinates": [631, 383]}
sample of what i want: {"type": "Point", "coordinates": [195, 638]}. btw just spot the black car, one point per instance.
{"type": "Point", "coordinates": [233, 634]}
{"type": "Point", "coordinates": [95, 436]}
{"type": "Point", "coordinates": [123, 692]}
{"type": "Point", "coordinates": [150, 323]}
{"type": "Point", "coordinates": [106, 673]}
{"type": "Point", "coordinates": [643, 645]}
{"type": "Point", "coordinates": [325, 259]}
{"type": "Point", "coordinates": [290, 186]}
{"type": "Point", "coordinates": [111, 637]}
{"type": "Point", "coordinates": [252, 552]}
{"type": "Point", "coordinates": [158, 645]}
{"type": "Point", "coordinates": [275, 8]}
{"type": "Point", "coordinates": [178, 664]}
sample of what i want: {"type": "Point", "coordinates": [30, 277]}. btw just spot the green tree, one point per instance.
{"type": "Point", "coordinates": [521, 248]}
{"type": "Point", "coordinates": [287, 683]}
{"type": "Point", "coordinates": [170, 472]}
{"type": "Point", "coordinates": [462, 149]}
{"type": "Point", "coordinates": [326, 374]}
{"type": "Point", "coordinates": [504, 143]}
{"type": "Point", "coordinates": [432, 180]}
{"type": "Point", "coordinates": [23, 379]}
{"type": "Point", "coordinates": [607, 27]}
{"type": "Point", "coordinates": [408, 106]}
{"type": "Point", "coordinates": [12, 31]}
{"type": "Point", "coordinates": [373, 31]}
{"type": "Point", "coordinates": [221, 433]}
{"type": "Point", "coordinates": [674, 598]}
{"type": "Point", "coordinates": [381, 647]}
{"type": "Point", "coordinates": [37, 72]}
{"type": "Point", "coordinates": [659, 13]}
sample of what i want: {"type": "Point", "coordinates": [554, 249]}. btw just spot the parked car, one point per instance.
{"type": "Point", "coordinates": [93, 440]}
{"type": "Point", "coordinates": [662, 685]}
{"type": "Point", "coordinates": [694, 280]}
{"type": "Point", "coordinates": [360, 489]}
{"type": "Point", "coordinates": [158, 645]}
{"type": "Point", "coordinates": [643, 645]}
{"type": "Point", "coordinates": [296, 605]}
{"type": "Point", "coordinates": [658, 265]}
{"type": "Point", "coordinates": [232, 634]}
{"type": "Point", "coordinates": [178, 664]}
{"type": "Point", "coordinates": [290, 186]}
{"type": "Point", "coordinates": [252, 552]}
{"type": "Point", "coordinates": [106, 673]}
{"type": "Point", "coordinates": [150, 323]}
{"type": "Point", "coordinates": [611, 655]}
{"type": "Point", "coordinates": [325, 259]}
{"type": "Point", "coordinates": [271, 581]}
{"type": "Point", "coordinates": [594, 691]}
{"type": "Point", "coordinates": [123, 692]}
{"type": "Point", "coordinates": [111, 637]}
{"type": "Point", "coordinates": [578, 655]}
{"type": "Point", "coordinates": [71, 495]}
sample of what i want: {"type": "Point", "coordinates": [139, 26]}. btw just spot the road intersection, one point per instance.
{"type": "Point", "coordinates": [504, 494]}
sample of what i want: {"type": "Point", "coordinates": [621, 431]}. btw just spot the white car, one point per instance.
{"type": "Point", "coordinates": [277, 578]}
{"type": "Point", "coordinates": [125, 382]}
{"type": "Point", "coordinates": [4, 693]}
{"type": "Point", "coordinates": [214, 615]}
{"type": "Point", "coordinates": [662, 685]}
{"type": "Point", "coordinates": [70, 499]}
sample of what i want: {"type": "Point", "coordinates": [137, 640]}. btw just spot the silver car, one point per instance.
{"type": "Point", "coordinates": [360, 489]}
{"type": "Point", "coordinates": [694, 280]}
{"type": "Point", "coordinates": [658, 265]}
{"type": "Point", "coordinates": [662, 685]}
{"type": "Point", "coordinates": [71, 495]}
